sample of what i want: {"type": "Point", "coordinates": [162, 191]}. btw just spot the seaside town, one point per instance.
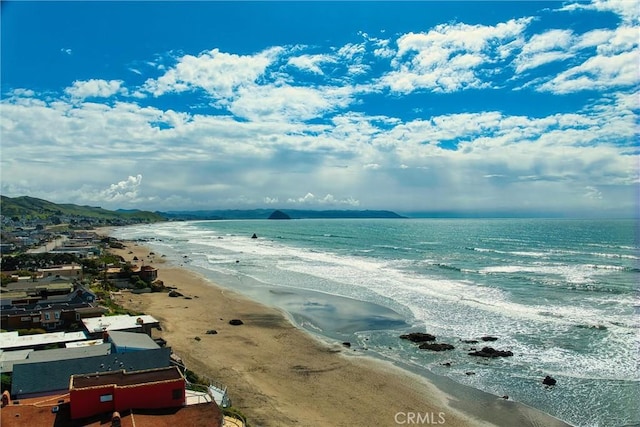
{"type": "Point", "coordinates": [71, 355]}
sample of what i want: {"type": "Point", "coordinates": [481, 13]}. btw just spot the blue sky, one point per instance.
{"type": "Point", "coordinates": [474, 107]}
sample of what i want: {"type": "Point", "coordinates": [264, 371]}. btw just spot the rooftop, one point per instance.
{"type": "Point", "coordinates": [124, 378]}
{"type": "Point", "coordinates": [9, 340]}
{"type": "Point", "coordinates": [114, 323]}
{"type": "Point", "coordinates": [39, 411]}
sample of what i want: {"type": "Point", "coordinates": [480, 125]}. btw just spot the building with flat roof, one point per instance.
{"type": "Point", "coordinates": [121, 390]}
{"type": "Point", "coordinates": [14, 341]}
{"type": "Point", "coordinates": [95, 326]}
{"type": "Point", "coordinates": [125, 342]}
{"type": "Point", "coordinates": [50, 375]}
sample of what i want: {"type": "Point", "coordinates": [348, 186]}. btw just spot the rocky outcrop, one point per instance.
{"type": "Point", "coordinates": [236, 322]}
{"type": "Point", "coordinates": [436, 346]}
{"type": "Point", "coordinates": [491, 352]}
{"type": "Point", "coordinates": [489, 338]}
{"type": "Point", "coordinates": [549, 381]}
{"type": "Point", "coordinates": [279, 215]}
{"type": "Point", "coordinates": [418, 337]}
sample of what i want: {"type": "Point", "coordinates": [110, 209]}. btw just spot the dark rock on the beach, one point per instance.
{"type": "Point", "coordinates": [197, 338]}
{"type": "Point", "coordinates": [491, 352]}
{"type": "Point", "coordinates": [505, 397]}
{"type": "Point", "coordinates": [347, 344]}
{"type": "Point", "coordinates": [236, 322]}
{"type": "Point", "coordinates": [212, 332]}
{"type": "Point", "coordinates": [549, 380]}
{"type": "Point", "coordinates": [175, 294]}
{"type": "Point", "coordinates": [470, 341]}
{"type": "Point", "coordinates": [187, 297]}
{"type": "Point", "coordinates": [489, 338]}
{"type": "Point", "coordinates": [436, 347]}
{"type": "Point", "coordinates": [418, 337]}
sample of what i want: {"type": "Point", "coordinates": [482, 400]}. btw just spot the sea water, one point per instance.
{"type": "Point", "coordinates": [562, 295]}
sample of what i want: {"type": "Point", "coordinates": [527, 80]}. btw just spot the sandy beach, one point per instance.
{"type": "Point", "coordinates": [279, 375]}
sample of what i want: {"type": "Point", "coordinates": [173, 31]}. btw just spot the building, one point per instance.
{"type": "Point", "coordinates": [121, 391]}
{"type": "Point", "coordinates": [95, 326]}
{"type": "Point", "coordinates": [52, 307]}
{"type": "Point", "coordinates": [125, 342]}
{"type": "Point", "coordinates": [70, 271]}
{"type": "Point", "coordinates": [148, 273]}
{"type": "Point", "coordinates": [50, 372]}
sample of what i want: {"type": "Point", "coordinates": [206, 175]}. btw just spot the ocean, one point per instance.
{"type": "Point", "coordinates": [561, 294]}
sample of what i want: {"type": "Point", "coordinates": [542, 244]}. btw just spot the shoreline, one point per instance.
{"type": "Point", "coordinates": [279, 373]}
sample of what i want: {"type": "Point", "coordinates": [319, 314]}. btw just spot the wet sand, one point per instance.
{"type": "Point", "coordinates": [279, 375]}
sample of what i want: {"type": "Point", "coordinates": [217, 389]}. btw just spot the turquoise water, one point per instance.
{"type": "Point", "coordinates": [561, 294]}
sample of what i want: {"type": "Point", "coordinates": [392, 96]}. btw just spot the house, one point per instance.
{"type": "Point", "coordinates": [125, 342]}
{"type": "Point", "coordinates": [95, 326]}
{"type": "Point", "coordinates": [70, 271]}
{"type": "Point", "coordinates": [50, 372]}
{"type": "Point", "coordinates": [52, 306]}
{"type": "Point", "coordinates": [121, 391]}
{"type": "Point", "coordinates": [14, 341]}
{"type": "Point", "coordinates": [148, 273]}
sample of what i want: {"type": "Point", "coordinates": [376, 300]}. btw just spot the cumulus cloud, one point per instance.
{"type": "Point", "coordinates": [219, 74]}
{"type": "Point", "coordinates": [450, 57]}
{"type": "Point", "coordinates": [123, 191]}
{"type": "Point", "coordinates": [310, 63]}
{"type": "Point", "coordinates": [95, 88]}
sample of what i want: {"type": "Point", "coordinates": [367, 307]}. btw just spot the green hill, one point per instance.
{"type": "Point", "coordinates": [31, 208]}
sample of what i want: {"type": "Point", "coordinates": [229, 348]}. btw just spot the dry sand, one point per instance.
{"type": "Point", "coordinates": [279, 375]}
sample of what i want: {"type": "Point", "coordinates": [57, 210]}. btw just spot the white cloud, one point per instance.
{"type": "Point", "coordinates": [627, 9]}
{"type": "Point", "coordinates": [328, 199]}
{"type": "Point", "coordinates": [597, 73]}
{"type": "Point", "coordinates": [218, 73]}
{"type": "Point", "coordinates": [123, 191]}
{"type": "Point", "coordinates": [310, 63]}
{"type": "Point", "coordinates": [288, 102]}
{"type": "Point", "coordinates": [95, 88]}
{"type": "Point", "coordinates": [66, 51]}
{"type": "Point", "coordinates": [449, 57]}
{"type": "Point", "coordinates": [544, 48]}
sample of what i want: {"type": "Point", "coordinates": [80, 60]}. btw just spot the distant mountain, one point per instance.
{"type": "Point", "coordinates": [266, 213]}
{"type": "Point", "coordinates": [31, 208]}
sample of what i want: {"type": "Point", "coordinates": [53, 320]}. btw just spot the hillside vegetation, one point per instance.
{"type": "Point", "coordinates": [31, 208]}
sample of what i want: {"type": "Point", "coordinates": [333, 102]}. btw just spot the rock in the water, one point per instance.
{"type": "Point", "coordinates": [346, 344]}
{"type": "Point", "coordinates": [255, 236]}
{"type": "Point", "coordinates": [212, 332]}
{"type": "Point", "coordinates": [447, 364]}
{"type": "Point", "coordinates": [470, 373]}
{"type": "Point", "coordinates": [470, 341]}
{"type": "Point", "coordinates": [236, 322]}
{"type": "Point", "coordinates": [489, 338]}
{"type": "Point", "coordinates": [418, 337]}
{"type": "Point", "coordinates": [436, 347]}
{"type": "Point", "coordinates": [491, 352]}
{"type": "Point", "coordinates": [549, 380]}
{"type": "Point", "coordinates": [279, 215]}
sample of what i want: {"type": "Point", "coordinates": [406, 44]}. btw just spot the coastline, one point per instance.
{"type": "Point", "coordinates": [280, 374]}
